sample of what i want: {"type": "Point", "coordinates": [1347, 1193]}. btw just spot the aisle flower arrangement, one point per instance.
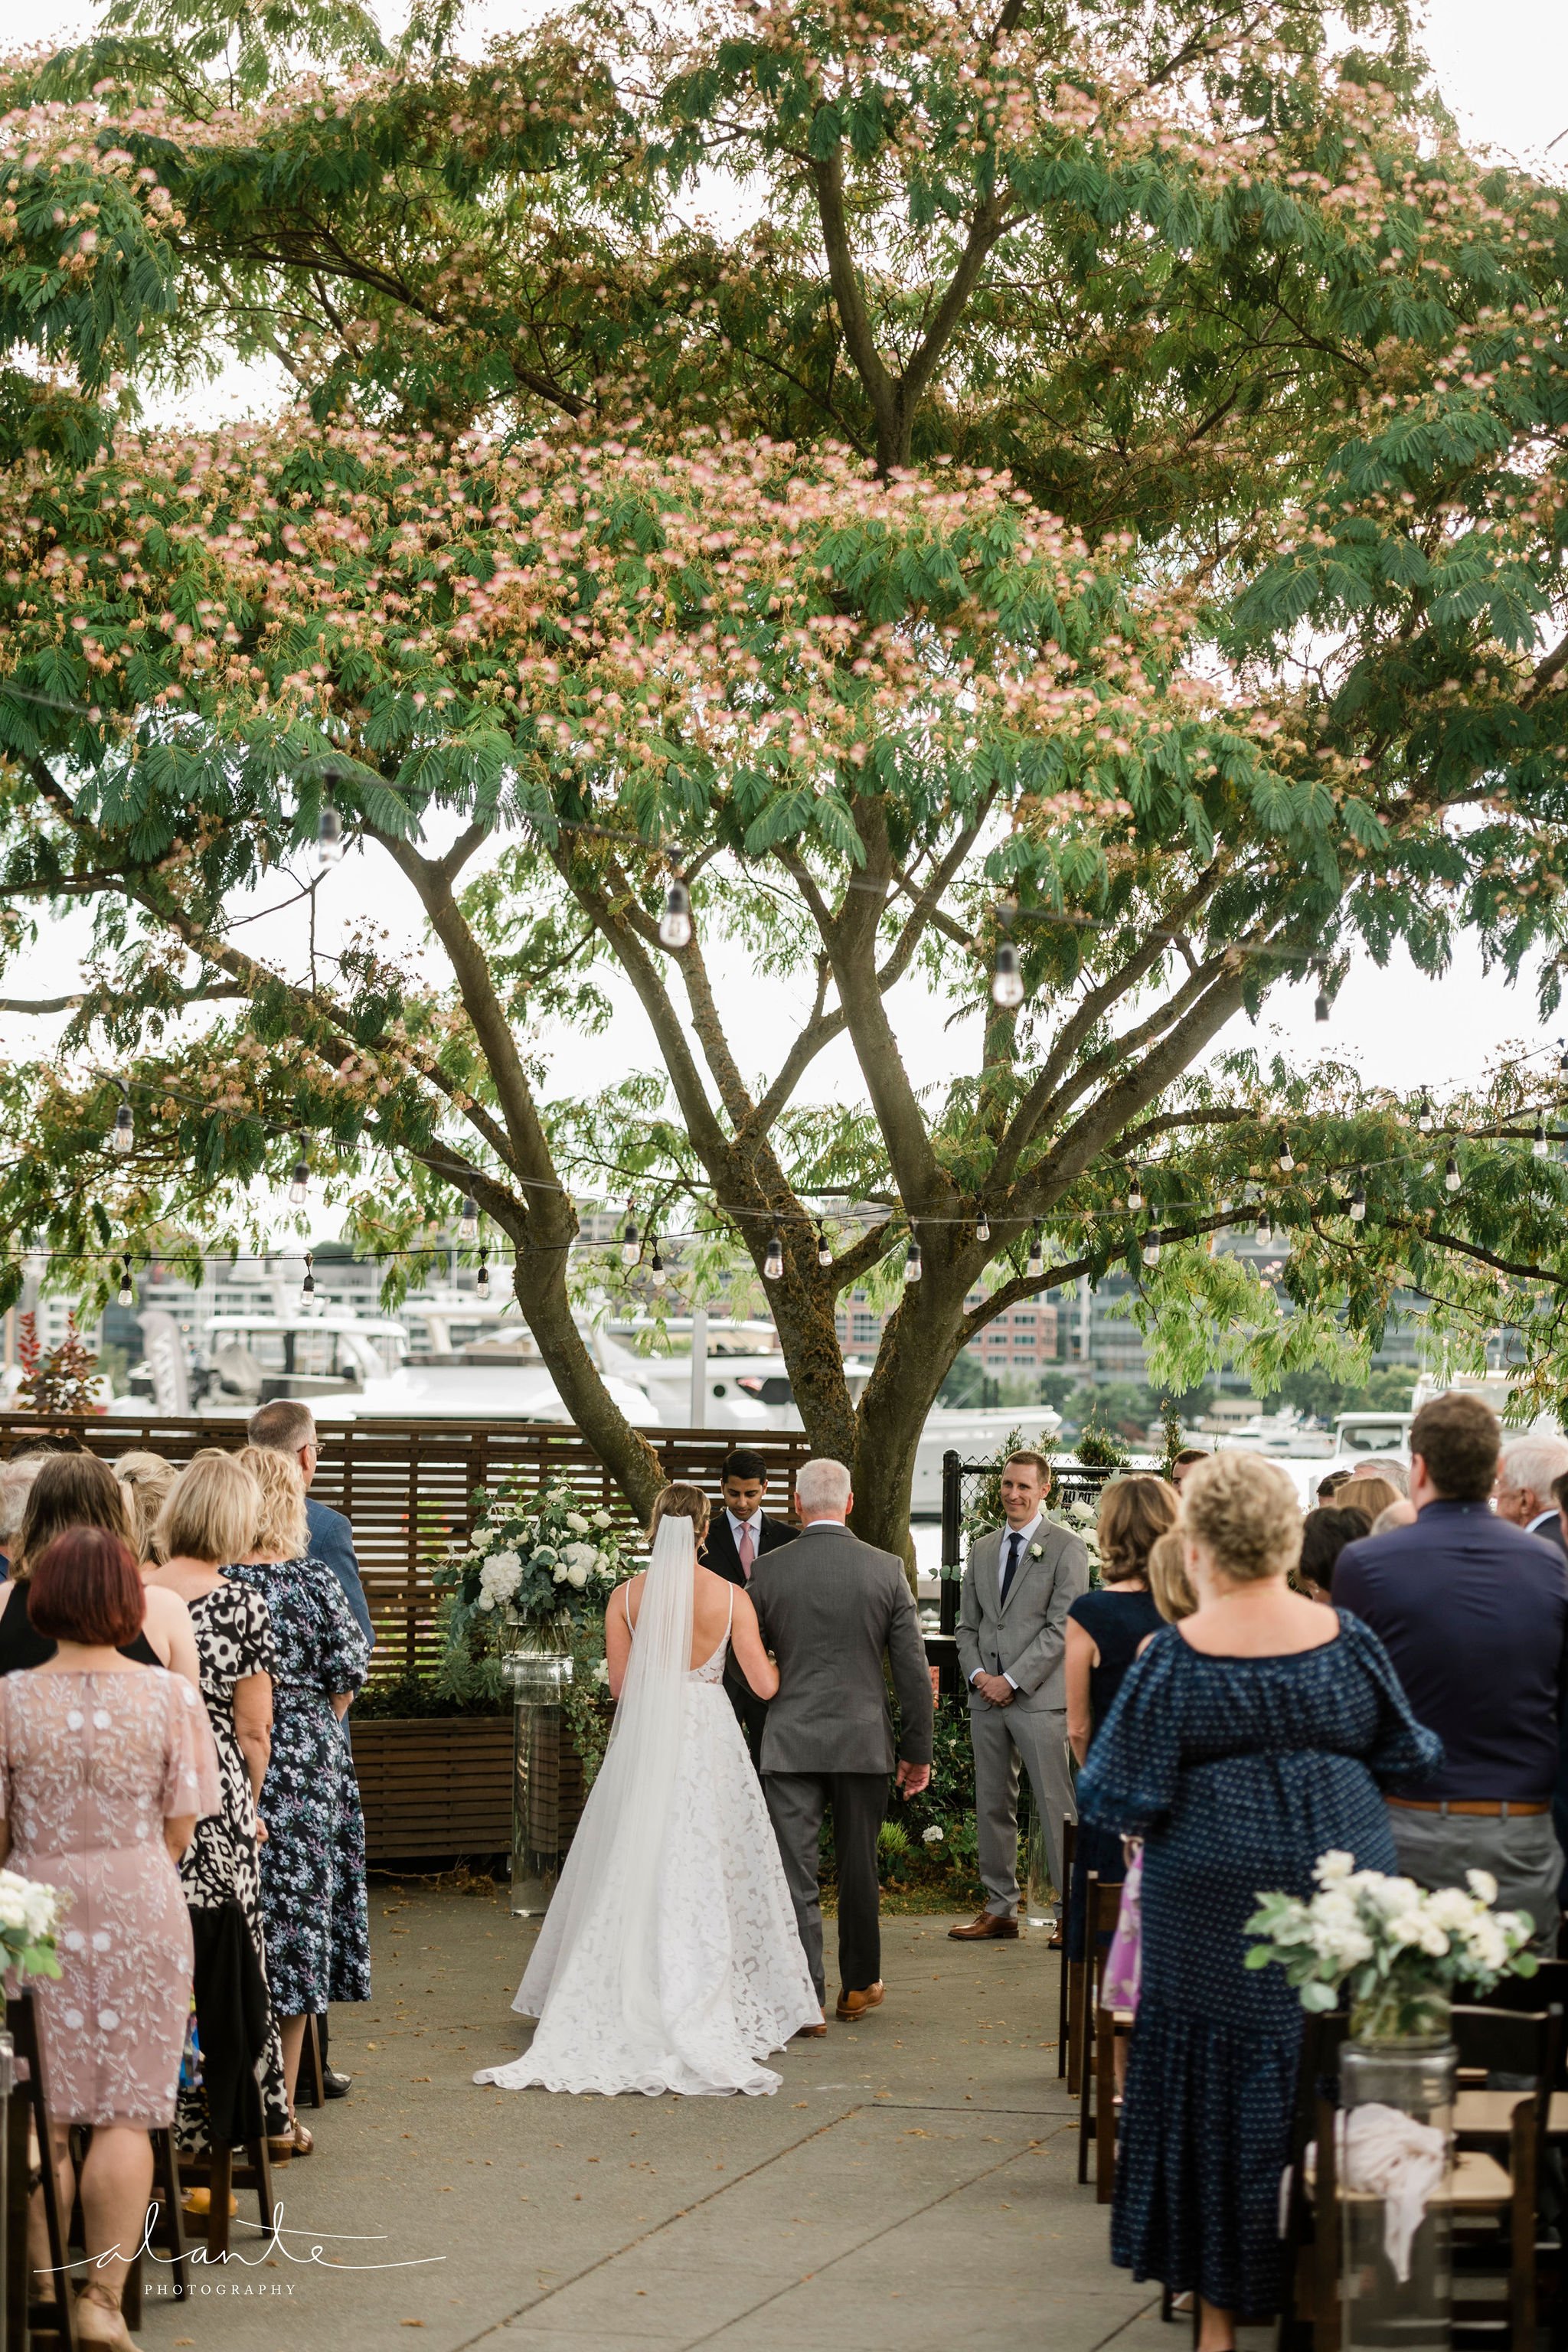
{"type": "Point", "coordinates": [1397, 1949]}
{"type": "Point", "coordinates": [30, 1915]}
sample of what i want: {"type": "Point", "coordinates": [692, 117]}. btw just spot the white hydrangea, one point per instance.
{"type": "Point", "coordinates": [932, 1835]}
{"type": "Point", "coordinates": [1331, 1868]}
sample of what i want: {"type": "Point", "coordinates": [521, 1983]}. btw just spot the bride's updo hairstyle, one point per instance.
{"type": "Point", "coordinates": [1243, 1511]}
{"type": "Point", "coordinates": [680, 1503]}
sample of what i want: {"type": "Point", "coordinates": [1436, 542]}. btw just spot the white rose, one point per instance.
{"type": "Point", "coordinates": [487, 1601]}
{"type": "Point", "coordinates": [577, 1523]}
{"type": "Point", "coordinates": [1329, 1868]}
{"type": "Point", "coordinates": [577, 1576]}
{"type": "Point", "coordinates": [1482, 1886]}
{"type": "Point", "coordinates": [561, 1571]}
{"type": "Point", "coordinates": [602, 1671]}
{"type": "Point", "coordinates": [932, 1837]}
{"type": "Point", "coordinates": [601, 1519]}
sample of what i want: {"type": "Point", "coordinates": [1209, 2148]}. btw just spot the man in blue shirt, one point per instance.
{"type": "Point", "coordinates": [1474, 1613]}
{"type": "Point", "coordinates": [288, 1427]}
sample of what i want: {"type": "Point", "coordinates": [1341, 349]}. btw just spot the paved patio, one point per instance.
{"type": "Point", "coordinates": [910, 2186]}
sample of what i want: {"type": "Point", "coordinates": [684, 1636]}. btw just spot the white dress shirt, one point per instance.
{"type": "Point", "coordinates": [1027, 1536]}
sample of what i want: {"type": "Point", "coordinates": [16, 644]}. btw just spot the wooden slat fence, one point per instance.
{"type": "Point", "coordinates": [407, 1485]}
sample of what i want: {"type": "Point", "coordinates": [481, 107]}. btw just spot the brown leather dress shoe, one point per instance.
{"type": "Point", "coordinates": [991, 1926]}
{"type": "Point", "coordinates": [854, 2005]}
{"type": "Point", "coordinates": [810, 2032]}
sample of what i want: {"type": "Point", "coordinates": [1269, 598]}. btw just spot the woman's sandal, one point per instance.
{"type": "Point", "coordinates": [303, 2141]}
{"type": "Point", "coordinates": [98, 2317]}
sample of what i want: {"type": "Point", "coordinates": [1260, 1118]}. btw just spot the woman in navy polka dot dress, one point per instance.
{"type": "Point", "coordinates": [1245, 1742]}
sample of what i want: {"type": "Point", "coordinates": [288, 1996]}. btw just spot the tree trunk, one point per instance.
{"type": "Point", "coordinates": [803, 1309]}
{"type": "Point", "coordinates": [540, 1281]}
{"type": "Point", "coordinates": [918, 1347]}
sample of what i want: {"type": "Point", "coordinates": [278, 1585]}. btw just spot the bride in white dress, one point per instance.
{"type": "Point", "coordinates": [670, 1959]}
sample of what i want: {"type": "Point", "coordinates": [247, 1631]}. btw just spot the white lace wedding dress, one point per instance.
{"type": "Point", "coordinates": [670, 1959]}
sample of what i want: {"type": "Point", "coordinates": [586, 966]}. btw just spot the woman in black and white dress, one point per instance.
{"type": "Point", "coordinates": [210, 1517]}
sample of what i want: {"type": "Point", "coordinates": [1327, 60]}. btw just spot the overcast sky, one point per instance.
{"type": "Point", "coordinates": [1503, 65]}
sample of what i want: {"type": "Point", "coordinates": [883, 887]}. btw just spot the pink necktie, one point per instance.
{"type": "Point", "coordinates": [748, 1552]}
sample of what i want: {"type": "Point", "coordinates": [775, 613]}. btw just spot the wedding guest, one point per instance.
{"type": "Point", "coordinates": [1386, 1467]}
{"type": "Point", "coordinates": [1371, 1493]}
{"type": "Point", "coordinates": [105, 1769]}
{"type": "Point", "coordinates": [1170, 1586]}
{"type": "Point", "coordinates": [313, 1906]}
{"type": "Point", "coordinates": [737, 1537]}
{"type": "Point", "coordinates": [1474, 1613]}
{"type": "Point", "coordinates": [1019, 1582]}
{"type": "Point", "coordinates": [1401, 1513]}
{"type": "Point", "coordinates": [17, 1477]}
{"type": "Point", "coordinates": [148, 1480]}
{"type": "Point", "coordinates": [210, 1517]}
{"type": "Point", "coordinates": [77, 1490]}
{"type": "Point", "coordinates": [1324, 1535]}
{"type": "Point", "coordinates": [288, 1427]}
{"type": "Point", "coordinates": [1185, 1462]}
{"type": "Point", "coordinates": [1527, 1473]}
{"type": "Point", "coordinates": [1330, 1483]}
{"type": "Point", "coordinates": [1248, 1739]}
{"type": "Point", "coordinates": [1105, 1631]}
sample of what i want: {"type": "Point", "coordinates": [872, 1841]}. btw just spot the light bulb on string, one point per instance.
{"type": "Point", "coordinates": [1423, 1113]}
{"type": "Point", "coordinates": [1135, 1192]}
{"type": "Point", "coordinates": [1286, 1158]}
{"type": "Point", "coordinates": [1320, 1008]}
{"type": "Point", "coordinates": [482, 1279]}
{"type": "Point", "coordinates": [329, 837]}
{"type": "Point", "coordinates": [298, 1183]}
{"type": "Point", "coordinates": [1006, 979]}
{"type": "Point", "coordinates": [1265, 1231]}
{"type": "Point", "coordinates": [126, 1293]}
{"type": "Point", "coordinates": [913, 1266]}
{"type": "Point", "coordinates": [122, 1134]}
{"type": "Point", "coordinates": [1451, 1174]}
{"type": "Point", "coordinates": [823, 1249]}
{"type": "Point", "coordinates": [1152, 1244]}
{"type": "Point", "coordinates": [656, 1268]}
{"type": "Point", "coordinates": [631, 1242]}
{"type": "Point", "coordinates": [1538, 1140]}
{"type": "Point", "coordinates": [983, 1229]}
{"type": "Point", "coordinates": [1562, 1060]}
{"type": "Point", "coordinates": [1036, 1262]}
{"type": "Point", "coordinates": [1357, 1202]}
{"type": "Point", "coordinates": [469, 1222]}
{"type": "Point", "coordinates": [675, 923]}
{"type": "Point", "coordinates": [308, 1287]}
{"type": "Point", "coordinates": [772, 1261]}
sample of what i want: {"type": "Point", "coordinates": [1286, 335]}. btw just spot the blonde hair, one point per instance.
{"type": "Point", "coordinates": [212, 1512]}
{"type": "Point", "coordinates": [678, 1502]}
{"type": "Point", "coordinates": [1170, 1586]}
{"type": "Point", "coordinates": [148, 1480]}
{"type": "Point", "coordinates": [1133, 1513]}
{"type": "Point", "coordinates": [1371, 1494]}
{"type": "Point", "coordinates": [1243, 1510]}
{"type": "Point", "coordinates": [281, 1525]}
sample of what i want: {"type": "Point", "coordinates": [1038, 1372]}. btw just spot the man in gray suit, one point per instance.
{"type": "Point", "coordinates": [830, 1608]}
{"type": "Point", "coordinates": [1019, 1582]}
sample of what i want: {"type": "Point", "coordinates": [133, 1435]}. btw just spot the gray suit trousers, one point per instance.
{"type": "Point", "coordinates": [858, 1800]}
{"type": "Point", "coordinates": [1005, 1737]}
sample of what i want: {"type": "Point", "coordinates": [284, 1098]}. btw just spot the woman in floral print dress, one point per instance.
{"type": "Point", "coordinates": [313, 1862]}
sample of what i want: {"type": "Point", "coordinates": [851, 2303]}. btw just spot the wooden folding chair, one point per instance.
{"type": "Point", "coordinates": [1099, 2029]}
{"type": "Point", "coordinates": [29, 2320]}
{"type": "Point", "coordinates": [311, 2089]}
{"type": "Point", "coordinates": [1495, 2232]}
{"type": "Point", "coordinates": [1064, 1985]}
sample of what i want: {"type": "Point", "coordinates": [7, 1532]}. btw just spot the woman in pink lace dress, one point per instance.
{"type": "Point", "coordinates": [105, 1768]}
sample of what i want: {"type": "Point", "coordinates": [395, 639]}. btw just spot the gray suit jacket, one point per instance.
{"type": "Point", "coordinates": [830, 1608]}
{"type": "Point", "coordinates": [1026, 1639]}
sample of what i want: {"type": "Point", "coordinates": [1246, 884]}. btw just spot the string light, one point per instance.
{"type": "Point", "coordinates": [1152, 1244]}
{"type": "Point", "coordinates": [482, 1279]}
{"type": "Point", "coordinates": [1358, 1201]}
{"type": "Point", "coordinates": [1037, 1265]}
{"type": "Point", "coordinates": [983, 1228]}
{"type": "Point", "coordinates": [1135, 1193]}
{"type": "Point", "coordinates": [122, 1134]}
{"type": "Point", "coordinates": [1424, 1113]}
{"type": "Point", "coordinates": [1006, 979]}
{"type": "Point", "coordinates": [298, 1184]}
{"type": "Point", "coordinates": [1538, 1140]}
{"type": "Point", "coordinates": [1451, 1174]}
{"type": "Point", "coordinates": [329, 837]}
{"type": "Point", "coordinates": [126, 1293]}
{"type": "Point", "coordinates": [913, 1266]}
{"type": "Point", "coordinates": [675, 923]}
{"type": "Point", "coordinates": [468, 1222]}
{"type": "Point", "coordinates": [772, 1261]}
{"type": "Point", "coordinates": [824, 1252]}
{"type": "Point", "coordinates": [1265, 1231]}
{"type": "Point", "coordinates": [1321, 1009]}
{"type": "Point", "coordinates": [308, 1287]}
{"type": "Point", "coordinates": [631, 1244]}
{"type": "Point", "coordinates": [1286, 1157]}
{"type": "Point", "coordinates": [656, 1268]}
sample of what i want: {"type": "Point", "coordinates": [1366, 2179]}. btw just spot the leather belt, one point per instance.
{"type": "Point", "coordinates": [1495, 1807]}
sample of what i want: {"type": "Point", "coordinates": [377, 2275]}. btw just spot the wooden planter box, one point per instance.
{"type": "Point", "coordinates": [434, 1788]}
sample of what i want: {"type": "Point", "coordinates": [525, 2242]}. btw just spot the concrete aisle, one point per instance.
{"type": "Point", "coordinates": [911, 2185]}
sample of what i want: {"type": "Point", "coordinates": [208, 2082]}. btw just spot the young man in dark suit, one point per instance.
{"type": "Point", "coordinates": [737, 1537]}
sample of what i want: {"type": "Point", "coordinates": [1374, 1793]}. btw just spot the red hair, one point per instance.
{"type": "Point", "coordinates": [85, 1587]}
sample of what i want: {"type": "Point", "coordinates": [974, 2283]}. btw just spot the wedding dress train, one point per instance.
{"type": "Point", "coordinates": [670, 1959]}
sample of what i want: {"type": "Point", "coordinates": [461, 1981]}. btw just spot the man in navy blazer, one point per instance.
{"type": "Point", "coordinates": [1473, 1611]}
{"type": "Point", "coordinates": [288, 1427]}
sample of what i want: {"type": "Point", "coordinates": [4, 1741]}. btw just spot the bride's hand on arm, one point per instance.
{"type": "Point", "coordinates": [617, 1638]}
{"type": "Point", "coordinates": [746, 1642]}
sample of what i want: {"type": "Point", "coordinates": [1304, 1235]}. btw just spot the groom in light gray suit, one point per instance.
{"type": "Point", "coordinates": [1019, 1582]}
{"type": "Point", "coordinates": [831, 1608]}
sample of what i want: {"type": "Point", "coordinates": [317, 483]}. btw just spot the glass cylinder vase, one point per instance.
{"type": "Point", "coordinates": [1396, 2111]}
{"type": "Point", "coordinates": [542, 1779]}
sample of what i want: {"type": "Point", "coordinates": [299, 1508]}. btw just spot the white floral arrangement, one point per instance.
{"type": "Point", "coordinates": [1390, 1944]}
{"type": "Point", "coordinates": [531, 1562]}
{"type": "Point", "coordinates": [30, 1914]}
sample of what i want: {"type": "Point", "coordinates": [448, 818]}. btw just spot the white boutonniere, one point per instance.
{"type": "Point", "coordinates": [1037, 1551]}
